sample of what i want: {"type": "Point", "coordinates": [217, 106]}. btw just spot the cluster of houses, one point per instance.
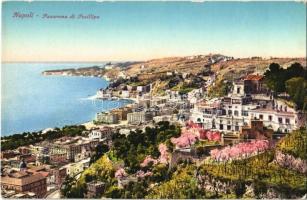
{"type": "Point", "coordinates": [148, 109]}
{"type": "Point", "coordinates": [248, 102]}
{"type": "Point", "coordinates": [124, 91]}
{"type": "Point", "coordinates": [37, 170]}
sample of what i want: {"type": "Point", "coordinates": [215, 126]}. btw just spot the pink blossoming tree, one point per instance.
{"type": "Point", "coordinates": [164, 157]}
{"type": "Point", "coordinates": [201, 133]}
{"type": "Point", "coordinates": [239, 151]}
{"type": "Point", "coordinates": [289, 161]}
{"type": "Point", "coordinates": [186, 139]}
{"type": "Point", "coordinates": [142, 174]}
{"type": "Point", "coordinates": [120, 173]}
{"type": "Point", "coordinates": [148, 160]}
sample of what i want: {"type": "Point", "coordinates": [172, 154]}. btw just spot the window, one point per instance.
{"type": "Point", "coordinates": [221, 127]}
{"type": "Point", "coordinates": [270, 117]}
{"type": "Point", "coordinates": [228, 127]}
{"type": "Point", "coordinates": [287, 121]}
{"type": "Point", "coordinates": [237, 128]}
{"type": "Point", "coordinates": [213, 124]}
{"type": "Point", "coordinates": [236, 113]}
{"type": "Point", "coordinates": [238, 90]}
{"type": "Point", "coordinates": [260, 116]}
{"type": "Point", "coordinates": [245, 113]}
{"type": "Point", "coordinates": [279, 120]}
{"type": "Point", "coordinates": [229, 112]}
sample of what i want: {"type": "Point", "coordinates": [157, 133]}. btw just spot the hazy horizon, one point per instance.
{"type": "Point", "coordinates": [100, 61]}
{"type": "Point", "coordinates": [139, 31]}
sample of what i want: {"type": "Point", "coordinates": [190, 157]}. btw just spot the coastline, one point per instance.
{"type": "Point", "coordinates": [90, 124]}
{"type": "Point", "coordinates": [87, 122]}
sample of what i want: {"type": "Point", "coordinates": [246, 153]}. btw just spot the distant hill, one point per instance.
{"type": "Point", "coordinates": [238, 67]}
{"type": "Point", "coordinates": [226, 67]}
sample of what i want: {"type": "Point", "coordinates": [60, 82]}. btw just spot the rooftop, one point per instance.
{"type": "Point", "coordinates": [271, 110]}
{"type": "Point", "coordinates": [253, 77]}
{"type": "Point", "coordinates": [96, 183]}
{"type": "Point", "coordinates": [23, 178]}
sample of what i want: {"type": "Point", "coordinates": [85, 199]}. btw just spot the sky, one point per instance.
{"type": "Point", "coordinates": [146, 30]}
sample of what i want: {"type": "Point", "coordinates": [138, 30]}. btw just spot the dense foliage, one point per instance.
{"type": "Point", "coordinates": [296, 87]}
{"type": "Point", "coordinates": [101, 170]}
{"type": "Point", "coordinates": [219, 89]}
{"type": "Point", "coordinates": [294, 144]}
{"type": "Point", "coordinates": [137, 145]}
{"type": "Point", "coordinates": [183, 185]}
{"type": "Point", "coordinates": [291, 80]}
{"type": "Point", "coordinates": [129, 151]}
{"type": "Point", "coordinates": [260, 167]}
{"type": "Point", "coordinates": [133, 168]}
{"type": "Point", "coordinates": [14, 141]}
{"type": "Point", "coordinates": [100, 150]}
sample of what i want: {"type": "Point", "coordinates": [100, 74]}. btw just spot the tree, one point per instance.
{"type": "Point", "coordinates": [114, 192]}
{"type": "Point", "coordinates": [67, 185]}
{"type": "Point", "coordinates": [259, 188]}
{"type": "Point", "coordinates": [240, 188]}
{"type": "Point", "coordinates": [275, 78]}
{"type": "Point", "coordinates": [182, 185]}
{"type": "Point", "coordinates": [295, 70]}
{"type": "Point", "coordinates": [296, 88]}
{"type": "Point", "coordinates": [160, 173]}
{"type": "Point", "coordinates": [77, 192]}
{"type": "Point", "coordinates": [88, 178]}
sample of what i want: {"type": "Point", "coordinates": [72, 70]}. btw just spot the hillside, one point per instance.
{"type": "Point", "coordinates": [225, 66]}
{"type": "Point", "coordinates": [181, 73]}
{"type": "Point", "coordinates": [191, 64]}
{"type": "Point", "coordinates": [235, 68]}
{"type": "Point", "coordinates": [168, 73]}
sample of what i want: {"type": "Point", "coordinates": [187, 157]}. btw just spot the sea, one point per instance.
{"type": "Point", "coordinates": [33, 102]}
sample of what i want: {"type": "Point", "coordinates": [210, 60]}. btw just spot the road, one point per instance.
{"type": "Point", "coordinates": [54, 195]}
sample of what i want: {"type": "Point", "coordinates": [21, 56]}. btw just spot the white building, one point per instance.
{"type": "Point", "coordinates": [124, 131]}
{"type": "Point", "coordinates": [125, 94]}
{"type": "Point", "coordinates": [122, 75]}
{"type": "Point", "coordinates": [173, 95]}
{"type": "Point", "coordinates": [139, 88]}
{"type": "Point", "coordinates": [138, 117]}
{"type": "Point", "coordinates": [98, 134]}
{"type": "Point", "coordinates": [195, 95]}
{"type": "Point", "coordinates": [161, 118]}
{"type": "Point", "coordinates": [73, 169]}
{"type": "Point", "coordinates": [278, 116]}
{"type": "Point", "coordinates": [106, 117]}
{"type": "Point", "coordinates": [237, 110]}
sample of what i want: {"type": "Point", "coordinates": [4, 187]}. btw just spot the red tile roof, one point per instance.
{"type": "Point", "coordinates": [253, 77]}
{"type": "Point", "coordinates": [44, 174]}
